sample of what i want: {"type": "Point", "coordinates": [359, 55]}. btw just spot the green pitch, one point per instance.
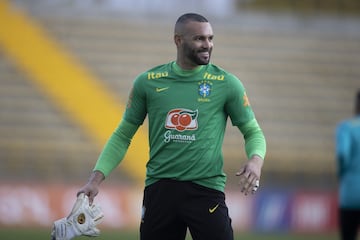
{"type": "Point", "coordinates": [36, 234]}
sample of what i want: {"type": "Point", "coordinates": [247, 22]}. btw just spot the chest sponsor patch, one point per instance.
{"type": "Point", "coordinates": [182, 119]}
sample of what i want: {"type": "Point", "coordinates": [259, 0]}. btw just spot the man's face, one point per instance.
{"type": "Point", "coordinates": [197, 43]}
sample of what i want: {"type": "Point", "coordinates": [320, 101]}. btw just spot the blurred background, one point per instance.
{"type": "Point", "coordinates": [66, 68]}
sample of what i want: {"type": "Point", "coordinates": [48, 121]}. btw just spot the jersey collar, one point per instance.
{"type": "Point", "coordinates": [179, 71]}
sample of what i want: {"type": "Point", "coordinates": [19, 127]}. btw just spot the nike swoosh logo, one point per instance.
{"type": "Point", "coordinates": [161, 89]}
{"type": "Point", "coordinates": [211, 210]}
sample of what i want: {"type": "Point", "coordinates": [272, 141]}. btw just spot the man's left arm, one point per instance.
{"type": "Point", "coordinates": [255, 147]}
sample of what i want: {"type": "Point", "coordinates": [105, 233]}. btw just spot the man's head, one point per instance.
{"type": "Point", "coordinates": [193, 37]}
{"type": "Point", "coordinates": [357, 103]}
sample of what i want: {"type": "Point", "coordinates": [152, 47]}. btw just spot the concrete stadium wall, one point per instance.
{"type": "Point", "coordinates": [300, 73]}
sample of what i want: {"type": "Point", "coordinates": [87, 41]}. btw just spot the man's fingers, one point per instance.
{"type": "Point", "coordinates": [91, 199]}
{"type": "Point", "coordinates": [248, 183]}
{"type": "Point", "coordinates": [241, 171]}
{"type": "Point", "coordinates": [89, 195]}
{"type": "Point", "coordinates": [90, 191]}
{"type": "Point", "coordinates": [244, 183]}
{"type": "Point", "coordinates": [79, 192]}
{"type": "Point", "coordinates": [247, 186]}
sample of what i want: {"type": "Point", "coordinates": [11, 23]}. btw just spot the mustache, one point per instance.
{"type": "Point", "coordinates": [204, 50]}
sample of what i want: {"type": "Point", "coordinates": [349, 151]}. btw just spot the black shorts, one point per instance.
{"type": "Point", "coordinates": [170, 207]}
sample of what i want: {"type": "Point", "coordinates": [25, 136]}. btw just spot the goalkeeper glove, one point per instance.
{"type": "Point", "coordinates": [81, 221]}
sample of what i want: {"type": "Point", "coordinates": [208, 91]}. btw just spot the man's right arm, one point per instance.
{"type": "Point", "coordinates": [116, 147]}
{"type": "Point", "coordinates": [110, 157]}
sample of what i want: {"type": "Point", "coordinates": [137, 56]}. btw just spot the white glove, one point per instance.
{"type": "Point", "coordinates": [81, 221]}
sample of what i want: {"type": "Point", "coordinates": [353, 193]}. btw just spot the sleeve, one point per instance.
{"type": "Point", "coordinates": [241, 114]}
{"type": "Point", "coordinates": [136, 109]}
{"type": "Point", "coordinates": [116, 147]}
{"type": "Point", "coordinates": [255, 143]}
{"type": "Point", "coordinates": [342, 148]}
{"type": "Point", "coordinates": [237, 104]}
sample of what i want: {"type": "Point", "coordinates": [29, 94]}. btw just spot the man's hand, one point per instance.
{"type": "Point", "coordinates": [250, 175]}
{"type": "Point", "coordinates": [91, 188]}
{"type": "Point", "coordinates": [81, 221]}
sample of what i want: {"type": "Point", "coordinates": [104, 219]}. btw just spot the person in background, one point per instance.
{"type": "Point", "coordinates": [187, 102]}
{"type": "Point", "coordinates": [348, 172]}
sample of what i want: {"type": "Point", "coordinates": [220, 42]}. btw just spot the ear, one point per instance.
{"type": "Point", "coordinates": [177, 40]}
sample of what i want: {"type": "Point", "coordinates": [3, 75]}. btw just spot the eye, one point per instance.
{"type": "Point", "coordinates": [204, 38]}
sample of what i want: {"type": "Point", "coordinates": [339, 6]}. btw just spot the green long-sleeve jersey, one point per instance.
{"type": "Point", "coordinates": [187, 113]}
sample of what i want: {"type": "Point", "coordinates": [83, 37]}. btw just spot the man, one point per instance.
{"type": "Point", "coordinates": [348, 170]}
{"type": "Point", "coordinates": [187, 103]}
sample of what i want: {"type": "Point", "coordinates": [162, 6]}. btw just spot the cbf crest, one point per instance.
{"type": "Point", "coordinates": [205, 88]}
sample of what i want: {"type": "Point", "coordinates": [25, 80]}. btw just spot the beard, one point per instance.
{"type": "Point", "coordinates": [198, 56]}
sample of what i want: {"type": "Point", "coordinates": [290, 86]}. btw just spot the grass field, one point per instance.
{"type": "Point", "coordinates": [39, 234]}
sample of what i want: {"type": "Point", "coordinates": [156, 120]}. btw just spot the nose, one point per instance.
{"type": "Point", "coordinates": [207, 44]}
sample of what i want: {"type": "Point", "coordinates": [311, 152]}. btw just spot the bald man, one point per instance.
{"type": "Point", "coordinates": [187, 102]}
